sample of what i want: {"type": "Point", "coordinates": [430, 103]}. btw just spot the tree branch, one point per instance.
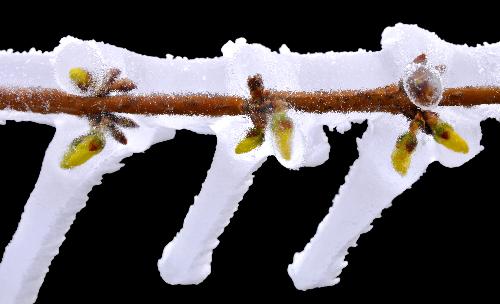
{"type": "Point", "coordinates": [391, 99]}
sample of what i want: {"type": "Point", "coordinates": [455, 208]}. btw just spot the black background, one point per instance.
{"type": "Point", "coordinates": [437, 240]}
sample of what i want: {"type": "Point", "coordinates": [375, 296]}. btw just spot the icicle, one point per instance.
{"type": "Point", "coordinates": [186, 259]}
{"type": "Point", "coordinates": [370, 187]}
{"type": "Point", "coordinates": [52, 207]}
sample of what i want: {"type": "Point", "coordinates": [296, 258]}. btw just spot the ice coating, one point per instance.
{"type": "Point", "coordinates": [370, 186]}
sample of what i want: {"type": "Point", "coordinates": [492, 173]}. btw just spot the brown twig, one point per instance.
{"type": "Point", "coordinates": [391, 99]}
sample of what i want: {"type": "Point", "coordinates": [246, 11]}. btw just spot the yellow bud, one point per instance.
{"type": "Point", "coordinates": [402, 153]}
{"type": "Point", "coordinates": [253, 139]}
{"type": "Point", "coordinates": [82, 149]}
{"type": "Point", "coordinates": [446, 135]}
{"type": "Point", "coordinates": [80, 77]}
{"type": "Point", "coordinates": [282, 128]}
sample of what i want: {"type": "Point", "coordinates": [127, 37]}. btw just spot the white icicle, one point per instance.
{"type": "Point", "coordinates": [186, 259]}
{"type": "Point", "coordinates": [52, 207]}
{"type": "Point", "coordinates": [354, 208]}
{"type": "Point", "coordinates": [369, 188]}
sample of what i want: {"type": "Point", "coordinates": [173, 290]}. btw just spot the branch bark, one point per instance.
{"type": "Point", "coordinates": [391, 99]}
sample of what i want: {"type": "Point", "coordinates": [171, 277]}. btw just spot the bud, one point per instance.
{"type": "Point", "coordinates": [403, 151]}
{"type": "Point", "coordinates": [81, 78]}
{"type": "Point", "coordinates": [446, 135]}
{"type": "Point", "coordinates": [253, 139]}
{"type": "Point", "coordinates": [82, 149]}
{"type": "Point", "coordinates": [282, 128]}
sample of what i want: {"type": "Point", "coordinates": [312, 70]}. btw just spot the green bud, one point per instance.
{"type": "Point", "coordinates": [82, 149]}
{"type": "Point", "coordinates": [445, 135]}
{"type": "Point", "coordinates": [403, 151]}
{"type": "Point", "coordinates": [282, 128]}
{"type": "Point", "coordinates": [81, 78]}
{"type": "Point", "coordinates": [253, 139]}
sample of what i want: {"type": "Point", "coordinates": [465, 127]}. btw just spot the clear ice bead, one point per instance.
{"type": "Point", "coordinates": [423, 86]}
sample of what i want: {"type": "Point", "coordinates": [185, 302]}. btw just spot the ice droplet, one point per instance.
{"type": "Point", "coordinates": [423, 85]}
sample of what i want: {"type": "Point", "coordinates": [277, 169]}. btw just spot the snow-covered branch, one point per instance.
{"type": "Point", "coordinates": [419, 108]}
